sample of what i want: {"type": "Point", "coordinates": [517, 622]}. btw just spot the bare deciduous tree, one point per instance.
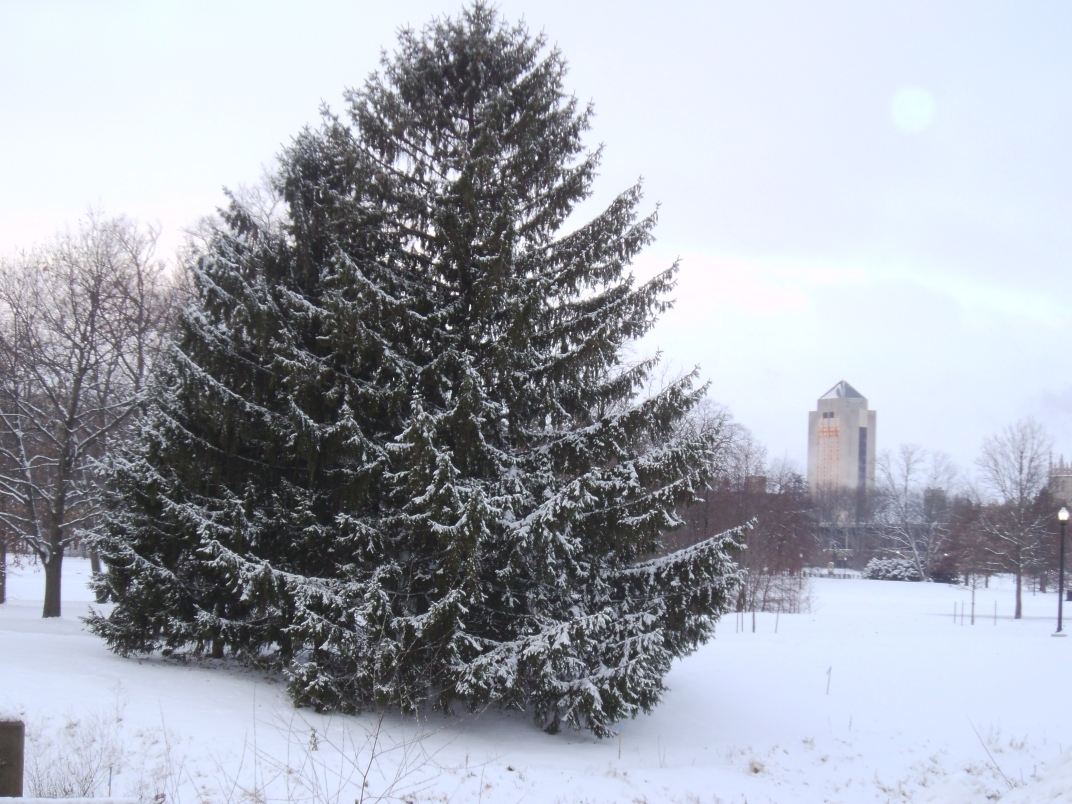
{"type": "Point", "coordinates": [782, 542]}
{"type": "Point", "coordinates": [81, 323]}
{"type": "Point", "coordinates": [1014, 470]}
{"type": "Point", "coordinates": [913, 502]}
{"type": "Point", "coordinates": [745, 487]}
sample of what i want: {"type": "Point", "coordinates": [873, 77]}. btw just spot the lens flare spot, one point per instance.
{"type": "Point", "coordinates": [913, 109]}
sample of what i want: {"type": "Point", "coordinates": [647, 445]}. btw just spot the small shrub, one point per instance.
{"type": "Point", "coordinates": [891, 569]}
{"type": "Point", "coordinates": [75, 760]}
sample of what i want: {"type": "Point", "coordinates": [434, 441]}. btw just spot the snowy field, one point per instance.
{"type": "Point", "coordinates": [920, 708]}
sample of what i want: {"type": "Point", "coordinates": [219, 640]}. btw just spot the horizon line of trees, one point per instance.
{"type": "Point", "coordinates": [85, 317]}
{"type": "Point", "coordinates": [923, 510]}
{"type": "Point", "coordinates": [950, 526]}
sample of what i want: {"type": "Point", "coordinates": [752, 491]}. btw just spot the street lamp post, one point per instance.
{"type": "Point", "coordinates": [1062, 516]}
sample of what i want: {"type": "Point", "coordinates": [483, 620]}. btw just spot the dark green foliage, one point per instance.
{"type": "Point", "coordinates": [397, 452]}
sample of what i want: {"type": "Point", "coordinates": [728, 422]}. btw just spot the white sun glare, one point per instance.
{"type": "Point", "coordinates": [912, 109]}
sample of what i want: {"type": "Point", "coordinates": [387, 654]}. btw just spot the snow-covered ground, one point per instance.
{"type": "Point", "coordinates": [920, 708]}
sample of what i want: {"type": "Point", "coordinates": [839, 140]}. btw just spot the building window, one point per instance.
{"type": "Point", "coordinates": [862, 467]}
{"type": "Point", "coordinates": [829, 455]}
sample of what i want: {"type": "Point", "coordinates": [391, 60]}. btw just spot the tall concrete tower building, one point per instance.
{"type": "Point", "coordinates": [841, 442]}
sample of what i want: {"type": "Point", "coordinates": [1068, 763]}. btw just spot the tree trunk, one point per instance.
{"type": "Point", "coordinates": [101, 595]}
{"type": "Point", "coordinates": [1019, 589]}
{"type": "Point", "coordinates": [53, 575]}
{"type": "Point", "coordinates": [3, 570]}
{"type": "Point", "coordinates": [54, 561]}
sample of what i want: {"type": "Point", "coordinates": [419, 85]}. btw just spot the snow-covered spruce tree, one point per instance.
{"type": "Point", "coordinates": [397, 452]}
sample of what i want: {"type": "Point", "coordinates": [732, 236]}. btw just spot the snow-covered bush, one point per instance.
{"type": "Point", "coordinates": [891, 569]}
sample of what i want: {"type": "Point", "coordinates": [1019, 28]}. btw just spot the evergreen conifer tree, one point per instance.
{"type": "Point", "coordinates": [397, 451]}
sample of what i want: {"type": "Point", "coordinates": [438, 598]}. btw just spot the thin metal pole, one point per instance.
{"type": "Point", "coordinates": [1061, 583]}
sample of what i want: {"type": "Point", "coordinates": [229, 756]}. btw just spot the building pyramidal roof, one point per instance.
{"type": "Point", "coordinates": [843, 391]}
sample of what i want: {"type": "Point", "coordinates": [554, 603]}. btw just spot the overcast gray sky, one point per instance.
{"type": "Point", "coordinates": [880, 191]}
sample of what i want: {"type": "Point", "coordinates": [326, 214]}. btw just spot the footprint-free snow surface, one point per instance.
{"type": "Point", "coordinates": [921, 707]}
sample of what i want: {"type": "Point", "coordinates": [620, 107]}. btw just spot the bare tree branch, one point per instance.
{"type": "Point", "coordinates": [1014, 470]}
{"type": "Point", "coordinates": [82, 322]}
